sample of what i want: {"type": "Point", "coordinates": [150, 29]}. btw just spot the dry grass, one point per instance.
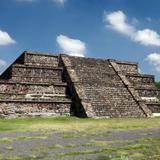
{"type": "Point", "coordinates": [76, 124]}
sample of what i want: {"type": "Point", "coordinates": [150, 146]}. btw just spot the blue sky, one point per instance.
{"type": "Point", "coordinates": [117, 29]}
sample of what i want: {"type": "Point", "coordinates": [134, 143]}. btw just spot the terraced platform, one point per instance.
{"type": "Point", "coordinates": [52, 85]}
{"type": "Point", "coordinates": [33, 85]}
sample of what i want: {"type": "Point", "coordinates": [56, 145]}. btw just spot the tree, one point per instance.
{"type": "Point", "coordinates": [157, 84]}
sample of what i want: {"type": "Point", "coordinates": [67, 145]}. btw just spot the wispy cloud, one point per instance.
{"type": "Point", "coordinates": [154, 59]}
{"type": "Point", "coordinates": [61, 2]}
{"type": "Point", "coordinates": [71, 46]}
{"type": "Point", "coordinates": [3, 62]}
{"type": "Point", "coordinates": [118, 21]}
{"type": "Point", "coordinates": [148, 19]}
{"type": "Point", "coordinates": [5, 38]}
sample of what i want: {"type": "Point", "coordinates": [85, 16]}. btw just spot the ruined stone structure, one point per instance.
{"type": "Point", "coordinates": [53, 85]}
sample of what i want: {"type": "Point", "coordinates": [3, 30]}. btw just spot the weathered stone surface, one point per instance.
{"type": "Point", "coordinates": [33, 86]}
{"type": "Point", "coordinates": [128, 67]}
{"type": "Point", "coordinates": [100, 88]}
{"type": "Point", "coordinates": [41, 88]}
{"type": "Point", "coordinates": [39, 60]}
{"type": "Point", "coordinates": [18, 109]}
{"type": "Point", "coordinates": [52, 85]}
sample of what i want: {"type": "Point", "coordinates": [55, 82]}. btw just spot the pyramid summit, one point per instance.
{"type": "Point", "coordinates": [53, 85]}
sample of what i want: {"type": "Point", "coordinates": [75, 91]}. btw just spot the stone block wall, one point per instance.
{"type": "Point", "coordinates": [128, 67]}
{"type": "Point", "coordinates": [24, 88]}
{"type": "Point", "coordinates": [33, 85]}
{"type": "Point", "coordinates": [141, 80]}
{"type": "Point", "coordinates": [22, 73]}
{"type": "Point", "coordinates": [23, 108]}
{"type": "Point", "coordinates": [39, 60]}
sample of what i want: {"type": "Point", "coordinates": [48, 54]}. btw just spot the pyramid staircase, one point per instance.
{"type": "Point", "coordinates": [33, 85]}
{"type": "Point", "coordinates": [53, 85]}
{"type": "Point", "coordinates": [110, 88]}
{"type": "Point", "coordinates": [143, 86]}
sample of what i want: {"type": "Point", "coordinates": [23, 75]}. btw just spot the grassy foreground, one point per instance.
{"type": "Point", "coordinates": [77, 124]}
{"type": "Point", "coordinates": [80, 138]}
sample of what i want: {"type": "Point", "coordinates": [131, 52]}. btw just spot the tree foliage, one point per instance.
{"type": "Point", "coordinates": [157, 84]}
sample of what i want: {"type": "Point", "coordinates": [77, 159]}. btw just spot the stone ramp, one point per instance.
{"type": "Point", "coordinates": [100, 90]}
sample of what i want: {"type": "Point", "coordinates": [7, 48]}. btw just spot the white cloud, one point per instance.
{"type": "Point", "coordinates": [154, 59]}
{"type": "Point", "coordinates": [148, 19]}
{"type": "Point", "coordinates": [3, 62]}
{"type": "Point", "coordinates": [61, 2]}
{"type": "Point", "coordinates": [71, 46]}
{"type": "Point", "coordinates": [5, 38]}
{"type": "Point", "coordinates": [147, 37]}
{"type": "Point", "coordinates": [118, 21]}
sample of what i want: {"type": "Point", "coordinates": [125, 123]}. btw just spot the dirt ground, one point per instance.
{"type": "Point", "coordinates": [139, 144]}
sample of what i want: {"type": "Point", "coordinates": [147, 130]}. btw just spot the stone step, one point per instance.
{"type": "Point", "coordinates": [37, 58]}
{"type": "Point", "coordinates": [35, 71]}
{"type": "Point", "coordinates": [148, 92]}
{"type": "Point", "coordinates": [38, 74]}
{"type": "Point", "coordinates": [150, 99]}
{"type": "Point", "coordinates": [144, 85]}
{"type": "Point", "coordinates": [154, 107]}
{"type": "Point", "coordinates": [101, 90]}
{"type": "Point", "coordinates": [18, 96]}
{"type": "Point", "coordinates": [29, 88]}
{"type": "Point", "coordinates": [21, 108]}
{"type": "Point", "coordinates": [128, 67]}
{"type": "Point", "coordinates": [36, 79]}
{"type": "Point", "coordinates": [25, 73]}
{"type": "Point", "coordinates": [40, 59]}
{"type": "Point", "coordinates": [141, 80]}
{"type": "Point", "coordinates": [155, 114]}
{"type": "Point", "coordinates": [30, 83]}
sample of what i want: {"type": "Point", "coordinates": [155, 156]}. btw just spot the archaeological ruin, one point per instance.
{"type": "Point", "coordinates": [60, 85]}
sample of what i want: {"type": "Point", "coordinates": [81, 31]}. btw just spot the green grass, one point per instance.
{"type": "Point", "coordinates": [5, 139]}
{"type": "Point", "coordinates": [105, 150]}
{"type": "Point", "coordinates": [77, 124]}
{"type": "Point", "coordinates": [108, 158]}
{"type": "Point", "coordinates": [150, 139]}
{"type": "Point", "coordinates": [32, 157]}
{"type": "Point", "coordinates": [9, 148]}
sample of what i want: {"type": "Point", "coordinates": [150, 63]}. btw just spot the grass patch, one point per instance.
{"type": "Point", "coordinates": [105, 150]}
{"type": "Point", "coordinates": [95, 143]}
{"type": "Point", "coordinates": [6, 139]}
{"type": "Point", "coordinates": [89, 144]}
{"type": "Point", "coordinates": [71, 135]}
{"type": "Point", "coordinates": [31, 138]}
{"type": "Point", "coordinates": [150, 139]}
{"type": "Point", "coordinates": [76, 124]}
{"type": "Point", "coordinates": [32, 157]}
{"type": "Point", "coordinates": [41, 148]}
{"type": "Point", "coordinates": [9, 148]}
{"type": "Point", "coordinates": [109, 158]}
{"type": "Point", "coordinates": [56, 146]}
